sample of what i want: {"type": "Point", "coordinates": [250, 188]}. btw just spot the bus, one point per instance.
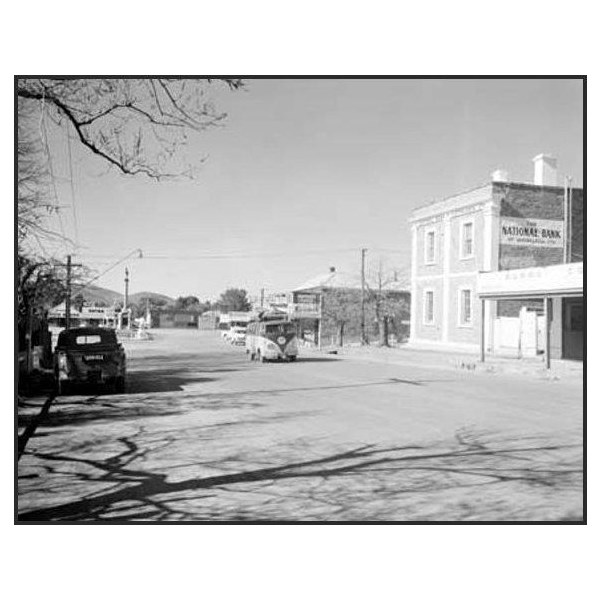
{"type": "Point", "coordinates": [271, 340]}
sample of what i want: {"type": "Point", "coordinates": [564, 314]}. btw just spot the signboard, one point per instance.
{"type": "Point", "coordinates": [306, 298]}
{"type": "Point", "coordinates": [563, 279]}
{"type": "Point", "coordinates": [531, 232]}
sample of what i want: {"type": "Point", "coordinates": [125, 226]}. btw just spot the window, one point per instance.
{"type": "Point", "coordinates": [428, 307]}
{"type": "Point", "coordinates": [465, 308]}
{"type": "Point", "coordinates": [430, 247]}
{"type": "Point", "coordinates": [466, 246]}
{"type": "Point", "coordinates": [84, 340]}
{"type": "Point", "coordinates": [281, 328]}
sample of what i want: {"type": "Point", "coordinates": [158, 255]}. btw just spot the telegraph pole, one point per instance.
{"type": "Point", "coordinates": [126, 288]}
{"type": "Point", "coordinates": [363, 337]}
{"type": "Point", "coordinates": [126, 300]}
{"type": "Point", "coordinates": [68, 298]}
{"type": "Point", "coordinates": [68, 294]}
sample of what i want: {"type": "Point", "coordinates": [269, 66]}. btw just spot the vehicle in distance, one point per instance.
{"type": "Point", "coordinates": [237, 335]}
{"type": "Point", "coordinates": [271, 340]}
{"type": "Point", "coordinates": [89, 355]}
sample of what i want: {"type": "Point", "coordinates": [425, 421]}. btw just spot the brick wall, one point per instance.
{"type": "Point", "coordinates": [526, 201]}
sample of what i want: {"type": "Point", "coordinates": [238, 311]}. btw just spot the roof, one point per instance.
{"type": "Point", "coordinates": [474, 195]}
{"type": "Point", "coordinates": [350, 281]}
{"type": "Point", "coordinates": [331, 279]}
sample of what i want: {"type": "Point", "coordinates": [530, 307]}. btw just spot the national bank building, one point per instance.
{"type": "Point", "coordinates": [499, 268]}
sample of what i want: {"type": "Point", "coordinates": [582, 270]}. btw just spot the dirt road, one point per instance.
{"type": "Point", "coordinates": [202, 433]}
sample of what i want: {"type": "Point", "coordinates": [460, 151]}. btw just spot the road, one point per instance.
{"type": "Point", "coordinates": [204, 434]}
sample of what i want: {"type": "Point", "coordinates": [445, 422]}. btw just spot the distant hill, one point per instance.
{"type": "Point", "coordinates": [152, 295]}
{"type": "Point", "coordinates": [97, 294]}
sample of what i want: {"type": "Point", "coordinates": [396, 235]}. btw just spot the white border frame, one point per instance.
{"type": "Point", "coordinates": [424, 319]}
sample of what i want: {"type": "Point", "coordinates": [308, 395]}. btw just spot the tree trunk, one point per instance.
{"type": "Point", "coordinates": [341, 334]}
{"type": "Point", "coordinates": [383, 332]}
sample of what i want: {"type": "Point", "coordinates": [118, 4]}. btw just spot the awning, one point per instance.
{"type": "Point", "coordinates": [534, 282]}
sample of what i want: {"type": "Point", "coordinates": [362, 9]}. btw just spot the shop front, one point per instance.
{"type": "Point", "coordinates": [560, 290]}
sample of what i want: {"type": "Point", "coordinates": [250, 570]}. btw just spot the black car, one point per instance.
{"type": "Point", "coordinates": [89, 355]}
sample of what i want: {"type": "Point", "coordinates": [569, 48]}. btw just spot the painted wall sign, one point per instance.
{"type": "Point", "coordinates": [531, 232]}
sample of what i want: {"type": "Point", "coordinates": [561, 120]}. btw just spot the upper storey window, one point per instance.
{"type": "Point", "coordinates": [430, 246]}
{"type": "Point", "coordinates": [466, 240]}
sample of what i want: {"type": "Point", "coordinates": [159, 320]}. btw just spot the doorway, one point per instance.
{"type": "Point", "coordinates": [573, 326]}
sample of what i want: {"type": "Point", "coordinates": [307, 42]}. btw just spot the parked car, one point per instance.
{"type": "Point", "coordinates": [89, 355]}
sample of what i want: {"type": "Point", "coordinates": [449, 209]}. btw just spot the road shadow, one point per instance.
{"type": "Point", "coordinates": [349, 477]}
{"type": "Point", "coordinates": [78, 410]}
{"type": "Point", "coordinates": [316, 359]}
{"type": "Point", "coordinates": [163, 380]}
{"type": "Point", "coordinates": [317, 388]}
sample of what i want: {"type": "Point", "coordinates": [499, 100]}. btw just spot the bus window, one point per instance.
{"type": "Point", "coordinates": [281, 328]}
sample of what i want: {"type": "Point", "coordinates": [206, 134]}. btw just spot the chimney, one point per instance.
{"type": "Point", "coordinates": [544, 170]}
{"type": "Point", "coordinates": [332, 269]}
{"type": "Point", "coordinates": [500, 175]}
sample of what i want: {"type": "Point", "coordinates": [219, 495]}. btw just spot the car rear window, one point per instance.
{"type": "Point", "coordinates": [85, 340]}
{"type": "Point", "coordinates": [73, 337]}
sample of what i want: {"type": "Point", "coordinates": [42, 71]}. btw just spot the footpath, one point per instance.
{"type": "Point", "coordinates": [451, 360]}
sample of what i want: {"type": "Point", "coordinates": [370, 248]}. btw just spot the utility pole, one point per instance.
{"type": "Point", "coordinates": [570, 238]}
{"type": "Point", "coordinates": [68, 294]}
{"type": "Point", "coordinates": [567, 220]}
{"type": "Point", "coordinates": [126, 300]}
{"type": "Point", "coordinates": [68, 298]}
{"type": "Point", "coordinates": [363, 337]}
{"type": "Point", "coordinates": [126, 288]}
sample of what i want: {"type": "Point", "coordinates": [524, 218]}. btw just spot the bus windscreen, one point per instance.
{"type": "Point", "coordinates": [281, 328]}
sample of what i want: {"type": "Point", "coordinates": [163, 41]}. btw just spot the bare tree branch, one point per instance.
{"type": "Point", "coordinates": [112, 116]}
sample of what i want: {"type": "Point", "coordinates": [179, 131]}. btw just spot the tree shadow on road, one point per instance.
{"type": "Point", "coordinates": [350, 477]}
{"type": "Point", "coordinates": [162, 380]}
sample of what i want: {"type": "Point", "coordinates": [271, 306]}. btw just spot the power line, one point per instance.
{"type": "Point", "coordinates": [44, 136]}
{"type": "Point", "coordinates": [237, 255]}
{"type": "Point", "coordinates": [112, 266]}
{"type": "Point", "coordinates": [75, 224]}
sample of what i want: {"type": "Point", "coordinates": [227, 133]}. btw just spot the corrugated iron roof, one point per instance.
{"type": "Point", "coordinates": [350, 281]}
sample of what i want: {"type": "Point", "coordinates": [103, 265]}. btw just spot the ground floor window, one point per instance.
{"type": "Point", "coordinates": [428, 307]}
{"type": "Point", "coordinates": [465, 307]}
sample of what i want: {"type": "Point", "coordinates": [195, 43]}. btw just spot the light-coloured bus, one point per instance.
{"type": "Point", "coordinates": [271, 340]}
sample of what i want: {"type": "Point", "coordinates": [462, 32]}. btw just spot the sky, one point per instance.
{"type": "Point", "coordinates": [305, 173]}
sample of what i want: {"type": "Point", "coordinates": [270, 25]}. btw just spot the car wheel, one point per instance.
{"type": "Point", "coordinates": [120, 385]}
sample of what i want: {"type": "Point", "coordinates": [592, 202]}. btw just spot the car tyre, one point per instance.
{"type": "Point", "coordinates": [120, 385]}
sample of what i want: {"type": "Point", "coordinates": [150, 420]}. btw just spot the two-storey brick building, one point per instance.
{"type": "Point", "coordinates": [502, 225]}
